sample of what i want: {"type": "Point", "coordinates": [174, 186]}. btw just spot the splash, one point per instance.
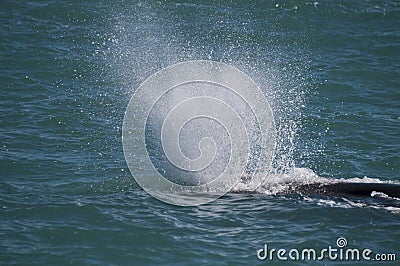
{"type": "Point", "coordinates": [184, 109]}
{"type": "Point", "coordinates": [151, 39]}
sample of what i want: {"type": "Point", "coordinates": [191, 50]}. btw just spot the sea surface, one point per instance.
{"type": "Point", "coordinates": [329, 69]}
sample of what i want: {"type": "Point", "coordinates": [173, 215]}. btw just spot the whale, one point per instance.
{"type": "Point", "coordinates": [340, 189]}
{"type": "Point", "coordinates": [347, 189]}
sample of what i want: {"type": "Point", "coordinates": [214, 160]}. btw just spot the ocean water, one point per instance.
{"type": "Point", "coordinates": [329, 69]}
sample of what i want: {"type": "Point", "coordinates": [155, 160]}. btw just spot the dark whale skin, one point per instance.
{"type": "Point", "coordinates": [347, 189]}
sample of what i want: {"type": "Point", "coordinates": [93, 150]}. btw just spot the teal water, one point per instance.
{"type": "Point", "coordinates": [330, 70]}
